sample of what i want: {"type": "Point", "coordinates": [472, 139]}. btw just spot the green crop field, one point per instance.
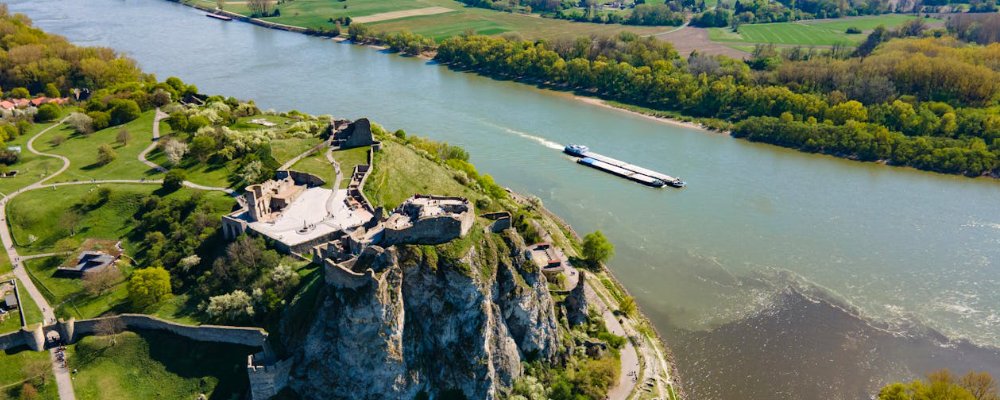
{"type": "Point", "coordinates": [809, 33]}
{"type": "Point", "coordinates": [317, 14]}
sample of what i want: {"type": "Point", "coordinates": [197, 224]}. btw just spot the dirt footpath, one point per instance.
{"type": "Point", "coordinates": [401, 14]}
{"type": "Point", "coordinates": [689, 38]}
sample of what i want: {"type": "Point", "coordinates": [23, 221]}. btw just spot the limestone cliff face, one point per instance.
{"type": "Point", "coordinates": [402, 322]}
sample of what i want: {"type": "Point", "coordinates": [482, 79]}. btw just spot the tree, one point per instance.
{"type": "Point", "coordinates": [99, 120]}
{"type": "Point", "coordinates": [627, 306]}
{"type": "Point", "coordinates": [202, 147]}
{"type": "Point", "coordinates": [123, 136]}
{"type": "Point", "coordinates": [110, 327]}
{"type": "Point", "coordinates": [70, 220]}
{"type": "Point", "coordinates": [97, 283]}
{"type": "Point", "coordinates": [160, 98]}
{"type": "Point", "coordinates": [28, 392]}
{"type": "Point", "coordinates": [260, 8]}
{"type": "Point", "coordinates": [596, 248]}
{"type": "Point", "coordinates": [37, 371]}
{"type": "Point", "coordinates": [52, 91]}
{"type": "Point", "coordinates": [57, 140]}
{"type": "Point", "coordinates": [123, 110]}
{"type": "Point", "coordinates": [105, 154]}
{"type": "Point", "coordinates": [943, 385]}
{"type": "Point", "coordinates": [47, 112]}
{"type": "Point", "coordinates": [148, 286]}
{"type": "Point", "coordinates": [233, 306]}
{"type": "Point", "coordinates": [174, 149]}
{"type": "Point", "coordinates": [19, 93]}
{"type": "Point", "coordinates": [173, 180]}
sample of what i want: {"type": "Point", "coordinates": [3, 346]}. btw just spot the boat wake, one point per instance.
{"type": "Point", "coordinates": [537, 139]}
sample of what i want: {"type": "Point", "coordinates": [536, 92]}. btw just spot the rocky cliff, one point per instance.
{"type": "Point", "coordinates": [438, 321]}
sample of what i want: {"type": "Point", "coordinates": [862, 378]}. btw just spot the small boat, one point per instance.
{"type": "Point", "coordinates": [677, 183]}
{"type": "Point", "coordinates": [219, 17]}
{"type": "Point", "coordinates": [576, 150]}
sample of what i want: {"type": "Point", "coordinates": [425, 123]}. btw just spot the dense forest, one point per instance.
{"type": "Point", "coordinates": [913, 99]}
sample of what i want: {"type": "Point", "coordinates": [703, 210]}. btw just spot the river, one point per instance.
{"type": "Point", "coordinates": [775, 274]}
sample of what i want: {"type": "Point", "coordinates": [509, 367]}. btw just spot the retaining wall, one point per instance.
{"type": "Point", "coordinates": [253, 337]}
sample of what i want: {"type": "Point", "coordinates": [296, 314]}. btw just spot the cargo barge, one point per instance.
{"type": "Point", "coordinates": [623, 169]}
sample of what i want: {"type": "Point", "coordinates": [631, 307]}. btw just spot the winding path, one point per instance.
{"type": "Point", "coordinates": [64, 381]}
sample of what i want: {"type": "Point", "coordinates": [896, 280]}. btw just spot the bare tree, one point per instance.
{"type": "Point", "coordinates": [123, 136]}
{"type": "Point", "coordinates": [98, 282]}
{"type": "Point", "coordinates": [110, 327]}
{"type": "Point", "coordinates": [260, 8]}
{"type": "Point", "coordinates": [70, 220]}
{"type": "Point", "coordinates": [37, 370]}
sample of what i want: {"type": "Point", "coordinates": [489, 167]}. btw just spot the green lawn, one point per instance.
{"type": "Point", "coordinates": [13, 374]}
{"type": "Point", "coordinates": [31, 168]}
{"type": "Point", "coordinates": [808, 33]}
{"type": "Point", "coordinates": [82, 152]}
{"type": "Point", "coordinates": [32, 313]}
{"type": "Point", "coordinates": [35, 217]}
{"type": "Point", "coordinates": [201, 173]}
{"type": "Point", "coordinates": [318, 165]}
{"type": "Point", "coordinates": [286, 149]}
{"type": "Point", "coordinates": [156, 365]}
{"type": "Point", "coordinates": [67, 294]}
{"type": "Point", "coordinates": [399, 173]}
{"type": "Point", "coordinates": [348, 159]}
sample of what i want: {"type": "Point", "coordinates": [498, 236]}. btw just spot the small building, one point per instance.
{"type": "Point", "coordinates": [87, 262]}
{"type": "Point", "coordinates": [10, 301]}
{"type": "Point", "coordinates": [545, 256]}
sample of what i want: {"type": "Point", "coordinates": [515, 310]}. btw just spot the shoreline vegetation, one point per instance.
{"type": "Point", "coordinates": [933, 114]}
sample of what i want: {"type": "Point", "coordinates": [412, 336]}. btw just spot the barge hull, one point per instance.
{"type": "Point", "coordinates": [621, 172]}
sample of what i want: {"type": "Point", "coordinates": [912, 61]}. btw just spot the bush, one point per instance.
{"type": "Point", "coordinates": [99, 120]}
{"type": "Point", "coordinates": [123, 110]}
{"type": "Point", "coordinates": [47, 112]}
{"type": "Point", "coordinates": [106, 154]}
{"type": "Point", "coordinates": [853, 30]}
{"type": "Point", "coordinates": [149, 286]}
{"type": "Point", "coordinates": [173, 180]}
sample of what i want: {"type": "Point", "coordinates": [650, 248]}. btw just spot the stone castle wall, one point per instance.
{"type": "Point", "coordinates": [428, 231]}
{"type": "Point", "coordinates": [267, 380]}
{"type": "Point", "coordinates": [14, 339]}
{"type": "Point", "coordinates": [252, 337]}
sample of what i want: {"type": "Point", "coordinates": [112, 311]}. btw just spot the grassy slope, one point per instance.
{"type": "Point", "coordinates": [67, 294]}
{"type": "Point", "coordinates": [35, 213]}
{"type": "Point", "coordinates": [348, 159]}
{"type": "Point", "coordinates": [173, 368]}
{"type": "Point", "coordinates": [807, 33]}
{"type": "Point", "coordinates": [12, 376]}
{"type": "Point", "coordinates": [31, 167]}
{"type": "Point", "coordinates": [395, 177]}
{"type": "Point", "coordinates": [82, 152]}
{"type": "Point", "coordinates": [317, 164]}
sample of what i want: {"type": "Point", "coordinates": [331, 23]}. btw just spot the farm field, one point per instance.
{"type": "Point", "coordinates": [809, 33]}
{"type": "Point", "coordinates": [438, 25]}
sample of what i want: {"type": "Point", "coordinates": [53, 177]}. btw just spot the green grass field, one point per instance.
{"type": "Point", "coordinates": [13, 373]}
{"type": "Point", "coordinates": [154, 365]}
{"type": "Point", "coordinates": [317, 13]}
{"type": "Point", "coordinates": [348, 159]}
{"type": "Point", "coordinates": [395, 178]}
{"type": "Point", "coordinates": [808, 33]}
{"type": "Point", "coordinates": [82, 152]}
{"type": "Point", "coordinates": [35, 216]}
{"type": "Point", "coordinates": [317, 164]}
{"type": "Point", "coordinates": [31, 167]}
{"type": "Point", "coordinates": [67, 294]}
{"type": "Point", "coordinates": [32, 314]}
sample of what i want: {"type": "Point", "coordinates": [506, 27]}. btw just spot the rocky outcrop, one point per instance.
{"type": "Point", "coordinates": [407, 321]}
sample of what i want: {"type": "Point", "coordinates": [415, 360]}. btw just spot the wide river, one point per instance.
{"type": "Point", "coordinates": [775, 274]}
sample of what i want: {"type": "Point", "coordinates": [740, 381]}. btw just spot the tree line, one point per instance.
{"type": "Point", "coordinates": [932, 97]}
